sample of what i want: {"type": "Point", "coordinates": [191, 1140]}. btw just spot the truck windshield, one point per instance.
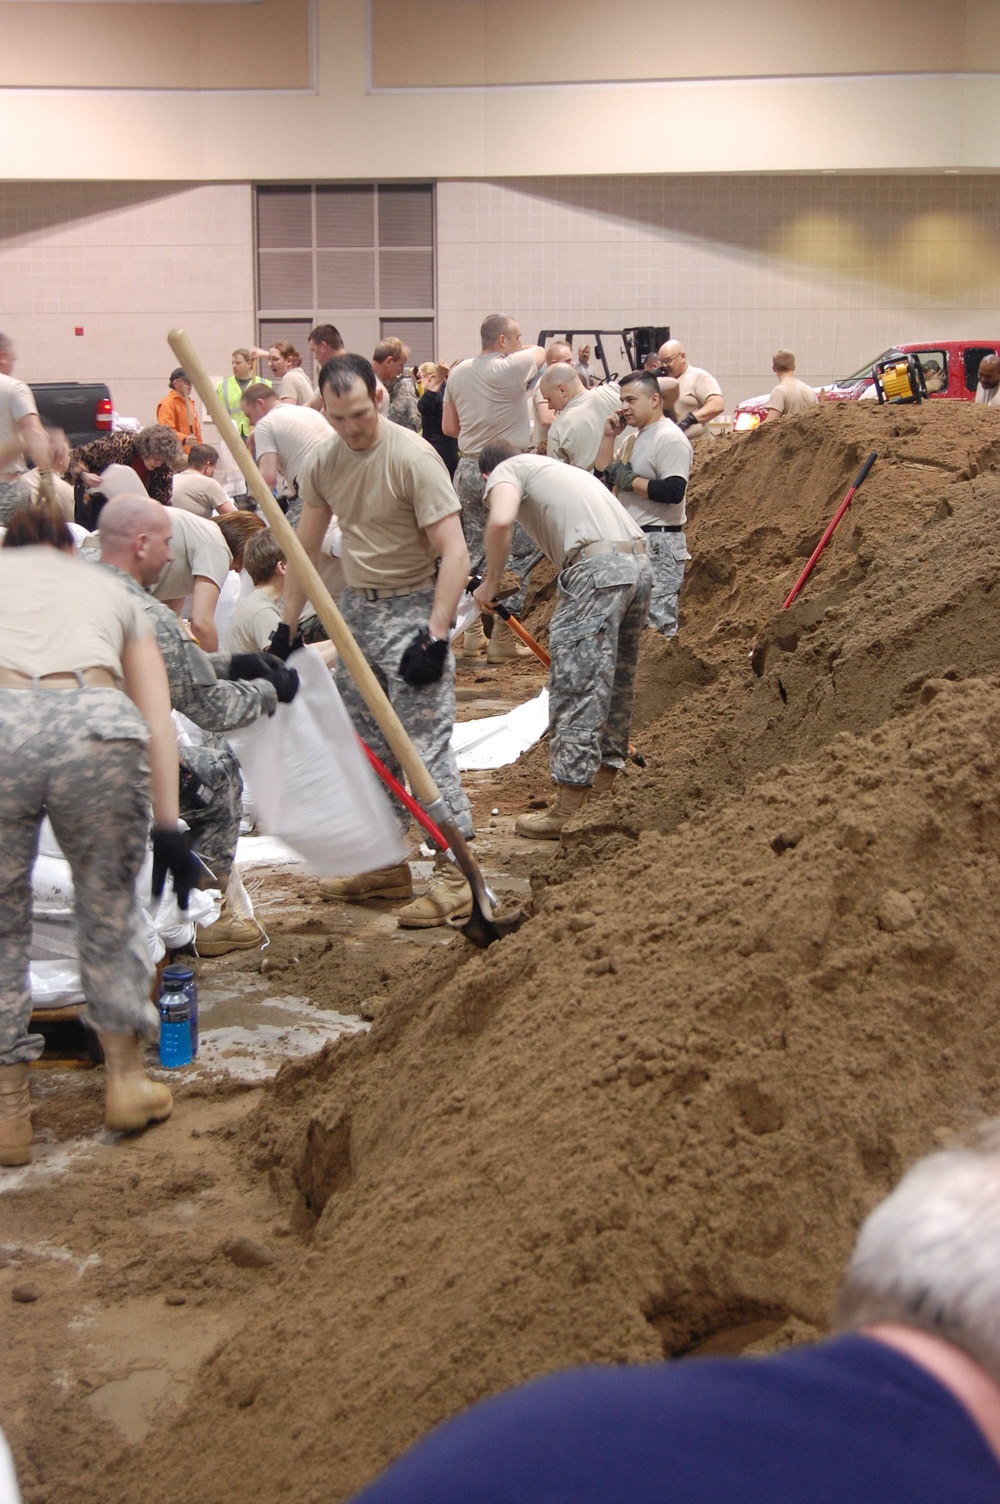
{"type": "Point", "coordinates": [865, 372]}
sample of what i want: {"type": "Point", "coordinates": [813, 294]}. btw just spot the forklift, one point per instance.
{"type": "Point", "coordinates": [617, 350]}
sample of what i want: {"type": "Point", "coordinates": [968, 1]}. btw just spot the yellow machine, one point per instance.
{"type": "Point", "coordinates": [900, 378]}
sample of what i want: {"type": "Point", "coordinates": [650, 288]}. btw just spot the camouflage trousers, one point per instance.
{"type": "Point", "coordinates": [594, 642]}
{"type": "Point", "coordinates": [383, 630]}
{"type": "Point", "coordinates": [80, 757]}
{"type": "Point", "coordinates": [667, 556]}
{"type": "Point", "coordinates": [469, 487]}
{"type": "Point", "coordinates": [13, 494]}
{"type": "Point", "coordinates": [215, 826]}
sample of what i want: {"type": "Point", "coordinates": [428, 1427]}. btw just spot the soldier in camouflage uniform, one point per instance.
{"type": "Point", "coordinates": [74, 747]}
{"type": "Point", "coordinates": [400, 521]}
{"type": "Point", "coordinates": [604, 587]}
{"type": "Point", "coordinates": [389, 365]}
{"type": "Point", "coordinates": [202, 690]}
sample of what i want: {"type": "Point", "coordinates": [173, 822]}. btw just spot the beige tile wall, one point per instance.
{"type": "Point", "coordinates": [833, 267]}
{"type": "Point", "coordinates": [127, 262]}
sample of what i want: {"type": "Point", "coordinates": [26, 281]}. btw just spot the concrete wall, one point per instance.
{"type": "Point", "coordinates": [126, 262]}
{"type": "Point", "coordinates": [834, 268]}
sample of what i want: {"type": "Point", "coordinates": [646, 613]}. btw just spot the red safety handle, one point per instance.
{"type": "Point", "coordinates": [858, 480]}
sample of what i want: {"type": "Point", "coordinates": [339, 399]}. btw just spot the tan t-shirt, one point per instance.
{"type": "Point", "coordinates": [291, 433]}
{"type": "Point", "coordinates": [16, 402]}
{"type": "Point", "coordinates": [199, 549]}
{"type": "Point", "coordinates": [295, 386]}
{"type": "Point", "coordinates": [562, 507]}
{"type": "Point", "coordinates": [490, 396]}
{"type": "Point", "coordinates": [791, 396]}
{"type": "Point", "coordinates": [384, 498]}
{"type": "Point", "coordinates": [58, 615]}
{"type": "Point", "coordinates": [200, 494]}
{"type": "Point", "coordinates": [576, 435]}
{"type": "Point", "coordinates": [696, 386]}
{"type": "Point", "coordinates": [252, 624]}
{"type": "Point", "coordinates": [657, 452]}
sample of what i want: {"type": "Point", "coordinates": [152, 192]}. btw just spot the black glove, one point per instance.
{"type": "Point", "coordinates": [619, 473]}
{"type": "Point", "coordinates": [172, 853]}
{"type": "Point", "coordinates": [266, 666]}
{"type": "Point", "coordinates": [688, 422]}
{"type": "Point", "coordinates": [424, 659]}
{"type": "Point", "coordinates": [282, 643]}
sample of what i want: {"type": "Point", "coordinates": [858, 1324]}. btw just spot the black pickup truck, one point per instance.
{"type": "Point", "coordinates": [81, 409]}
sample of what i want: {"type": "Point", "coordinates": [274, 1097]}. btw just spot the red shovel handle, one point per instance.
{"type": "Point", "coordinates": [858, 481]}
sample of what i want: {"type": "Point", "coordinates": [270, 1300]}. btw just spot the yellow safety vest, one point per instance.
{"type": "Point", "coordinates": [231, 393]}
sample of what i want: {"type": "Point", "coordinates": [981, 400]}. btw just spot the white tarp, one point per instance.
{"type": "Point", "coordinates": [313, 787]}
{"type": "Point", "coordinates": [496, 740]}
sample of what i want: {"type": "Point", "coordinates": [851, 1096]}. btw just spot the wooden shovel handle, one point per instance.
{"type": "Point", "coordinates": [374, 696]}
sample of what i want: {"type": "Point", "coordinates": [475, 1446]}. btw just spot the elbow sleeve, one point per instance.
{"type": "Point", "coordinates": [669, 491]}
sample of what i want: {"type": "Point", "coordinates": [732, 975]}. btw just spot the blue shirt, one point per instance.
{"type": "Point", "coordinates": [849, 1421]}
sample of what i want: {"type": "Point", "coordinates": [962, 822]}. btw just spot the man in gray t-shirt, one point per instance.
{"type": "Point", "coordinates": [649, 474]}
{"type": "Point", "coordinates": [603, 590]}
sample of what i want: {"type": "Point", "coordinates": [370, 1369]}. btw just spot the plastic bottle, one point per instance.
{"type": "Point", "coordinates": [175, 1024]}
{"type": "Point", "coordinates": [184, 975]}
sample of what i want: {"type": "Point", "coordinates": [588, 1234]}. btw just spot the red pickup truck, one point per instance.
{"type": "Point", "coordinates": [951, 369]}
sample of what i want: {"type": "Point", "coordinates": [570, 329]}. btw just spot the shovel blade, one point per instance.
{"type": "Point", "coordinates": [481, 932]}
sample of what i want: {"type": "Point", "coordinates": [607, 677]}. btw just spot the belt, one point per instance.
{"type": "Point", "coordinates": [595, 550]}
{"type": "Point", "coordinates": [81, 678]}
{"type": "Point", "coordinates": [676, 527]}
{"type": "Point", "coordinates": [387, 595]}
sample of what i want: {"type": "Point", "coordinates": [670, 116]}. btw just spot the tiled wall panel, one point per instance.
{"type": "Point", "coordinates": [833, 267]}
{"type": "Point", "coordinates": [126, 262]}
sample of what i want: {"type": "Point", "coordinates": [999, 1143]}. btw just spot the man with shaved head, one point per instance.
{"type": "Point", "coordinates": [576, 433]}
{"type": "Point", "coordinates": [700, 398]}
{"type": "Point", "coordinates": [486, 398]}
{"type": "Point", "coordinates": [542, 415]}
{"type": "Point", "coordinates": [215, 690]}
{"type": "Point", "coordinates": [988, 390]}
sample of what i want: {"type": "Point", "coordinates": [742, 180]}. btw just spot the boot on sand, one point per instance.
{"type": "Point", "coordinates": [229, 932]}
{"type": "Point", "coordinates": [131, 1100]}
{"type": "Point", "coordinates": [504, 645]}
{"type": "Point", "coordinates": [604, 779]}
{"type": "Point", "coordinates": [384, 882]}
{"type": "Point", "coordinates": [547, 824]}
{"type": "Point", "coordinates": [473, 642]}
{"type": "Point", "coordinates": [15, 1115]}
{"type": "Point", "coordinates": [448, 897]}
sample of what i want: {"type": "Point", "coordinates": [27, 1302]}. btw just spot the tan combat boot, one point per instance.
{"type": "Point", "coordinates": [547, 824]}
{"type": "Point", "coordinates": [15, 1115]}
{"type": "Point", "coordinates": [131, 1100]}
{"type": "Point", "coordinates": [229, 932]}
{"type": "Point", "coordinates": [448, 897]}
{"type": "Point", "coordinates": [474, 642]}
{"type": "Point", "coordinates": [604, 779]}
{"type": "Point", "coordinates": [384, 882]}
{"type": "Point", "coordinates": [504, 646]}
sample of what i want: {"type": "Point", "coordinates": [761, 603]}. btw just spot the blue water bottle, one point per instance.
{"type": "Point", "coordinates": [184, 975]}
{"type": "Point", "coordinates": [175, 1024]}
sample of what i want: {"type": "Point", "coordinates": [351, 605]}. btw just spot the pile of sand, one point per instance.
{"type": "Point", "coordinates": [651, 1120]}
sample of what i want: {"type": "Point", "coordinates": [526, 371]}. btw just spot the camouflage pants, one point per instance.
{"type": "Point", "coordinates": [383, 630]}
{"type": "Point", "coordinates": [80, 757]}
{"type": "Point", "coordinates": [13, 494]}
{"type": "Point", "coordinates": [594, 641]}
{"type": "Point", "coordinates": [469, 487]}
{"type": "Point", "coordinates": [667, 556]}
{"type": "Point", "coordinates": [215, 827]}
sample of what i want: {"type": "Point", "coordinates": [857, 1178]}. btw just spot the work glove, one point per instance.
{"type": "Point", "coordinates": [282, 643]}
{"type": "Point", "coordinates": [424, 659]}
{"type": "Point", "coordinates": [172, 853]}
{"type": "Point", "coordinates": [620, 475]}
{"type": "Point", "coordinates": [266, 666]}
{"type": "Point", "coordinates": [688, 422]}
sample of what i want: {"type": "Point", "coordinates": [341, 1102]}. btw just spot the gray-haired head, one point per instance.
{"type": "Point", "coordinates": [159, 443]}
{"type": "Point", "coordinates": [6, 343]}
{"type": "Point", "coordinates": [495, 325]}
{"type": "Point", "coordinates": [928, 1256]}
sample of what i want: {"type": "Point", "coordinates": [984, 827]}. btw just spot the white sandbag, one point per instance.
{"type": "Point", "coordinates": [465, 613]}
{"type": "Point", "coordinates": [313, 786]}
{"type": "Point", "coordinates": [494, 741]}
